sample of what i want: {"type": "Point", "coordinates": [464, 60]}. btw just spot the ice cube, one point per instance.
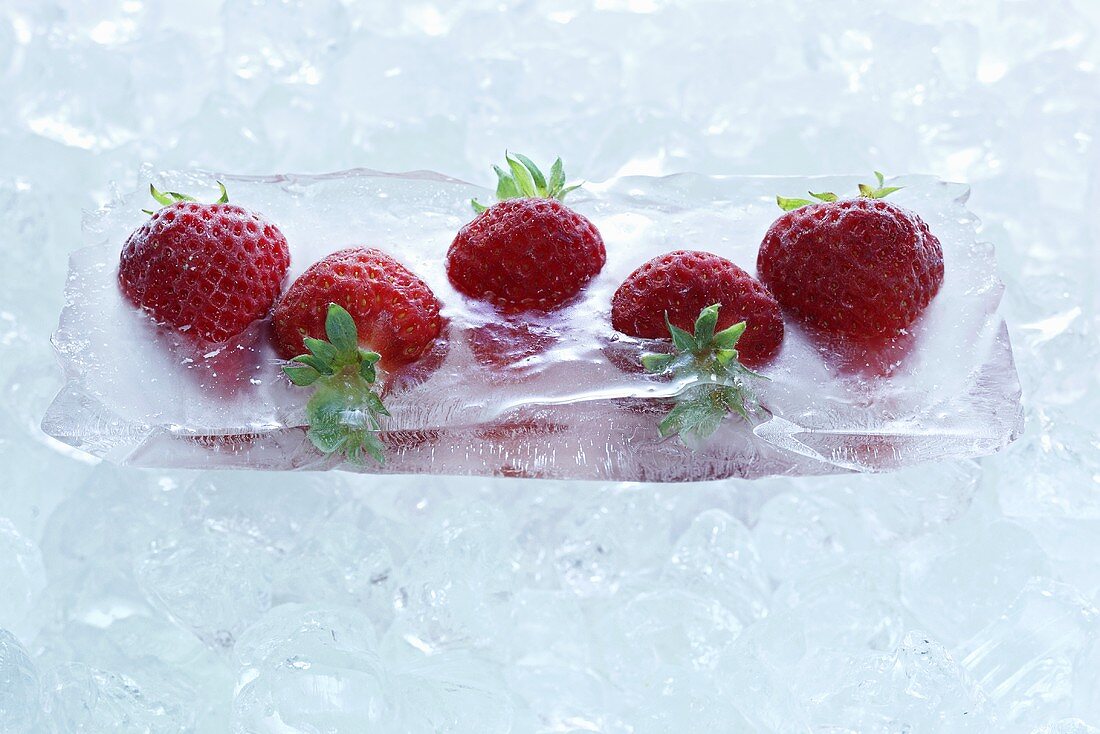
{"type": "Point", "coordinates": [956, 580]}
{"type": "Point", "coordinates": [546, 628]}
{"type": "Point", "coordinates": [273, 512]}
{"type": "Point", "coordinates": [800, 533]}
{"type": "Point", "coordinates": [1086, 678]}
{"type": "Point", "coordinates": [564, 699]}
{"type": "Point", "coordinates": [914, 501]}
{"type": "Point", "coordinates": [661, 631]}
{"type": "Point", "coordinates": [83, 699]}
{"type": "Point", "coordinates": [1024, 659]}
{"type": "Point", "coordinates": [610, 538]}
{"type": "Point", "coordinates": [23, 574]}
{"type": "Point", "coordinates": [213, 587]}
{"type": "Point", "coordinates": [918, 687]}
{"type": "Point", "coordinates": [307, 669]}
{"type": "Point", "coordinates": [756, 675]}
{"type": "Point", "coordinates": [450, 593]}
{"type": "Point", "coordinates": [687, 702]}
{"type": "Point", "coordinates": [262, 44]}
{"type": "Point", "coordinates": [113, 513]}
{"type": "Point", "coordinates": [717, 558]}
{"type": "Point", "coordinates": [580, 411]}
{"type": "Point", "coordinates": [19, 687]}
{"type": "Point", "coordinates": [852, 606]}
{"type": "Point", "coordinates": [342, 563]}
{"type": "Point", "coordinates": [450, 693]}
{"type": "Point", "coordinates": [1066, 726]}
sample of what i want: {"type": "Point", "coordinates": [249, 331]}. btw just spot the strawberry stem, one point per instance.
{"type": "Point", "coordinates": [344, 412]}
{"type": "Point", "coordinates": [524, 179]}
{"type": "Point", "coordinates": [167, 198]}
{"type": "Point", "coordinates": [871, 192]}
{"type": "Point", "coordinates": [722, 385]}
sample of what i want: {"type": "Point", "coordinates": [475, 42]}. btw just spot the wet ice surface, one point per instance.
{"type": "Point", "coordinates": [955, 596]}
{"type": "Point", "coordinates": [571, 402]}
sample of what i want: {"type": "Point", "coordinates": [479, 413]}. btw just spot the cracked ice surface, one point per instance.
{"type": "Point", "coordinates": [954, 596]}
{"type": "Point", "coordinates": [574, 407]}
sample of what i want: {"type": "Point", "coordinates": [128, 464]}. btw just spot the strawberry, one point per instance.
{"type": "Point", "coordinates": [206, 270]}
{"type": "Point", "coordinates": [529, 251]}
{"type": "Point", "coordinates": [344, 412]}
{"type": "Point", "coordinates": [680, 284]}
{"type": "Point", "coordinates": [719, 383]}
{"type": "Point", "coordinates": [395, 312]}
{"type": "Point", "coordinates": [861, 268]}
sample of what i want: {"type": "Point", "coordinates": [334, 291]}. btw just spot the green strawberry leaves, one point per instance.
{"type": "Point", "coordinates": [870, 192]}
{"type": "Point", "coordinates": [524, 179]}
{"type": "Point", "coordinates": [879, 192]}
{"type": "Point", "coordinates": [167, 198]}
{"type": "Point", "coordinates": [722, 385]}
{"type": "Point", "coordinates": [344, 412]}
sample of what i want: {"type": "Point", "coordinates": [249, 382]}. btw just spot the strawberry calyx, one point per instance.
{"type": "Point", "coordinates": [524, 179]}
{"type": "Point", "coordinates": [721, 382]}
{"type": "Point", "coordinates": [870, 192]}
{"type": "Point", "coordinates": [167, 198]}
{"type": "Point", "coordinates": [344, 412]}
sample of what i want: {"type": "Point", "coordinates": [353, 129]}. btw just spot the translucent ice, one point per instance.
{"type": "Point", "coordinates": [575, 407]}
{"type": "Point", "coordinates": [449, 592]}
{"type": "Point", "coordinates": [345, 562]}
{"type": "Point", "coordinates": [687, 702]}
{"type": "Point", "coordinates": [82, 699]}
{"type": "Point", "coordinates": [800, 533]}
{"type": "Point", "coordinates": [957, 578]}
{"type": "Point", "coordinates": [716, 556]}
{"type": "Point", "coordinates": [213, 588]}
{"type": "Point", "coordinates": [451, 693]}
{"type": "Point", "coordinates": [23, 575]}
{"type": "Point", "coordinates": [19, 687]}
{"type": "Point", "coordinates": [998, 93]}
{"type": "Point", "coordinates": [852, 606]}
{"type": "Point", "coordinates": [1066, 726]}
{"type": "Point", "coordinates": [307, 669]}
{"type": "Point", "coordinates": [660, 631]}
{"type": "Point", "coordinates": [607, 540]}
{"type": "Point", "coordinates": [1024, 659]}
{"type": "Point", "coordinates": [919, 687]}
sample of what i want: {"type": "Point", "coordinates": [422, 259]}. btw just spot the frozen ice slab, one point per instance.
{"type": "Point", "coordinates": [560, 396]}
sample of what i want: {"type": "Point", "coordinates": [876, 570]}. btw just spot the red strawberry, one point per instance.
{"type": "Point", "coordinates": [207, 270]}
{"type": "Point", "coordinates": [395, 312]}
{"type": "Point", "coordinates": [529, 251]}
{"type": "Point", "coordinates": [683, 283]}
{"type": "Point", "coordinates": [862, 268]}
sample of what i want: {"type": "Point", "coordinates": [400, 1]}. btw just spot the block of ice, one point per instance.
{"type": "Point", "coordinates": [574, 406]}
